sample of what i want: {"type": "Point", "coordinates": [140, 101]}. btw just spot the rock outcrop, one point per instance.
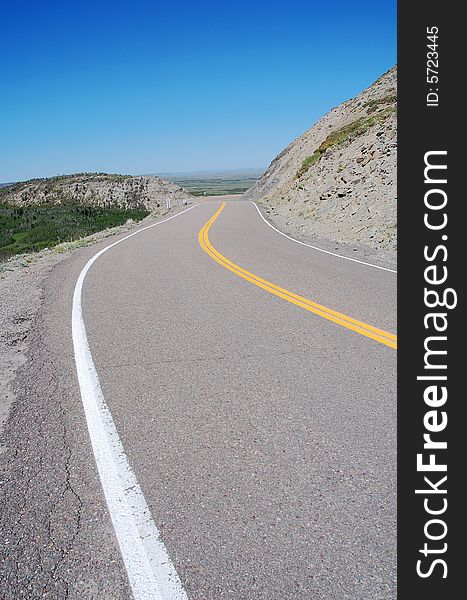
{"type": "Point", "coordinates": [96, 189]}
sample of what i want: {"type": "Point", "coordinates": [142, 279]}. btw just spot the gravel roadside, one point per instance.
{"type": "Point", "coordinates": [21, 294]}
{"type": "Point", "coordinates": [56, 539]}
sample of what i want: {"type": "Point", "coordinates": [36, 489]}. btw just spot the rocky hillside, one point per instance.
{"type": "Point", "coordinates": [337, 182]}
{"type": "Point", "coordinates": [95, 189]}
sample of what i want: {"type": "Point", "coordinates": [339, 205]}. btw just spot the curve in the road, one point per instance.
{"type": "Point", "coordinates": [355, 260]}
{"type": "Point", "coordinates": [151, 573]}
{"type": "Point", "coordinates": [378, 335]}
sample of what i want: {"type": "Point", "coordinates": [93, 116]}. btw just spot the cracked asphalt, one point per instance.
{"type": "Point", "coordinates": [57, 539]}
{"type": "Point", "coordinates": [263, 437]}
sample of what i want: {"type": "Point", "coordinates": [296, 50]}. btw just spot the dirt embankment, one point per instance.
{"type": "Point", "coordinates": [336, 184]}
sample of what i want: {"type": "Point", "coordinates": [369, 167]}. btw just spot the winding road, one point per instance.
{"type": "Point", "coordinates": [238, 436]}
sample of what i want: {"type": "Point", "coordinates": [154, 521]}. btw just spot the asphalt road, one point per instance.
{"type": "Point", "coordinates": [262, 435]}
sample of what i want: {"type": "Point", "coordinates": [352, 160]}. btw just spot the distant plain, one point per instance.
{"type": "Point", "coordinates": [215, 183]}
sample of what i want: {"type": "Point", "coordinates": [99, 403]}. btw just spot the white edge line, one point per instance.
{"type": "Point", "coordinates": [151, 573]}
{"type": "Point", "coordinates": [361, 262]}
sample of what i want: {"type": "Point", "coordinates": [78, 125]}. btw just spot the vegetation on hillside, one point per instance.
{"type": "Point", "coordinates": [341, 135]}
{"type": "Point", "coordinates": [374, 105]}
{"type": "Point", "coordinates": [34, 228]}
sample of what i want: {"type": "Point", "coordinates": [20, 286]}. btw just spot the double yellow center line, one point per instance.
{"type": "Point", "coordinates": [379, 335]}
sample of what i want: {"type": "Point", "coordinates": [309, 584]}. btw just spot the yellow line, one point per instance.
{"type": "Point", "coordinates": [379, 335]}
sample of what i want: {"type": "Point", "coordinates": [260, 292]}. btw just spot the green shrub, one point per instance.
{"type": "Point", "coordinates": [309, 162]}
{"type": "Point", "coordinates": [373, 105]}
{"type": "Point", "coordinates": [341, 135]}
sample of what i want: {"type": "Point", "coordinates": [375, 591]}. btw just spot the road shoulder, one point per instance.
{"type": "Point", "coordinates": [58, 540]}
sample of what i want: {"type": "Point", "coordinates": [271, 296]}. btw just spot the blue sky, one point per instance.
{"type": "Point", "coordinates": [148, 86]}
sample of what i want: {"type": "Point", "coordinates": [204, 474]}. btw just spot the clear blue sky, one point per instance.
{"type": "Point", "coordinates": [149, 86]}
